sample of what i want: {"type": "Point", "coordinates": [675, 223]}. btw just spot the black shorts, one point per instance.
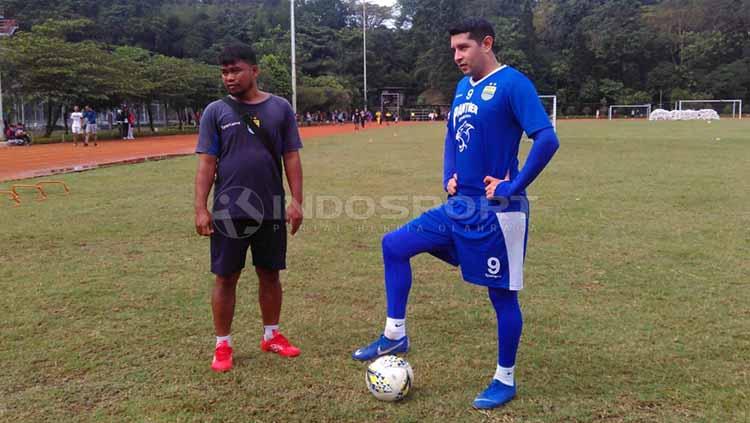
{"type": "Point", "coordinates": [231, 239]}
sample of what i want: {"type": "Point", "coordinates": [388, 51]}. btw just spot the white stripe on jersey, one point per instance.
{"type": "Point", "coordinates": [513, 225]}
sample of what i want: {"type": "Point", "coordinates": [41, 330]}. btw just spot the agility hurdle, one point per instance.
{"type": "Point", "coordinates": [61, 183]}
{"type": "Point", "coordinates": [42, 195]}
{"type": "Point", "coordinates": [13, 196]}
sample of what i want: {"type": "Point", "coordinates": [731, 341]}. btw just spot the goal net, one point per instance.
{"type": "Point", "coordinates": [724, 108]}
{"type": "Point", "coordinates": [420, 114]}
{"type": "Point", "coordinates": [629, 111]}
{"type": "Point", "coordinates": [391, 104]}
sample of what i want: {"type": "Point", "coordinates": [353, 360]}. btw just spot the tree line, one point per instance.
{"type": "Point", "coordinates": [590, 53]}
{"type": "Point", "coordinates": [45, 65]}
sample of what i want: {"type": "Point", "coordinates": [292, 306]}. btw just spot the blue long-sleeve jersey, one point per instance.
{"type": "Point", "coordinates": [485, 125]}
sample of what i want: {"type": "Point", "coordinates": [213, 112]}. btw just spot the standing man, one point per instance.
{"type": "Point", "coordinates": [483, 226]}
{"type": "Point", "coordinates": [122, 119]}
{"type": "Point", "coordinates": [242, 141]}
{"type": "Point", "coordinates": [76, 124]}
{"type": "Point", "coordinates": [89, 116]}
{"type": "Point", "coordinates": [131, 124]}
{"type": "Point", "coordinates": [356, 118]}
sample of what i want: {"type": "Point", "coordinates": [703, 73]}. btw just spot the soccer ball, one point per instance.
{"type": "Point", "coordinates": [389, 378]}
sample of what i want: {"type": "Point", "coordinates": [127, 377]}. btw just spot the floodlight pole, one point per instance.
{"type": "Point", "coordinates": [364, 48]}
{"type": "Point", "coordinates": [661, 104]}
{"type": "Point", "coordinates": [294, 59]}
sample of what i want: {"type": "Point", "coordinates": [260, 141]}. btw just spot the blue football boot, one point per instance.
{"type": "Point", "coordinates": [382, 346]}
{"type": "Point", "coordinates": [495, 395]}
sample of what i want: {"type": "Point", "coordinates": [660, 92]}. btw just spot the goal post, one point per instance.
{"type": "Point", "coordinates": [550, 105]}
{"type": "Point", "coordinates": [736, 106]}
{"type": "Point", "coordinates": [391, 102]}
{"type": "Point", "coordinates": [419, 114]}
{"type": "Point", "coordinates": [633, 108]}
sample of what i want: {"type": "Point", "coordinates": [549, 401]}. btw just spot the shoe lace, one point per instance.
{"type": "Point", "coordinates": [223, 352]}
{"type": "Point", "coordinates": [280, 340]}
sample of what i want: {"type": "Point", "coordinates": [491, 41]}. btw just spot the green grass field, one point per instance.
{"type": "Point", "coordinates": [636, 304]}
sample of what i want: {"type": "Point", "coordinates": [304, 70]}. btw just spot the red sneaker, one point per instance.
{"type": "Point", "coordinates": [280, 345]}
{"type": "Point", "coordinates": [222, 358]}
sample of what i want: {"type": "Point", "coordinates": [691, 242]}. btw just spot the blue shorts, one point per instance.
{"type": "Point", "coordinates": [488, 243]}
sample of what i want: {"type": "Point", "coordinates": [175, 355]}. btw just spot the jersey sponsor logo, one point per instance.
{"type": "Point", "coordinates": [229, 125]}
{"type": "Point", "coordinates": [463, 136]}
{"type": "Point", "coordinates": [464, 109]}
{"type": "Point", "coordinates": [489, 92]}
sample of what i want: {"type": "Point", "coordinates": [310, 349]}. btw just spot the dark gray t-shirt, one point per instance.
{"type": "Point", "coordinates": [246, 177]}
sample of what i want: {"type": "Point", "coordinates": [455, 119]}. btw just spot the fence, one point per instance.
{"type": "Point", "coordinates": [34, 115]}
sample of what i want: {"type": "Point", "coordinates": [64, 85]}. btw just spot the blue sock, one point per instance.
{"type": "Point", "coordinates": [398, 248]}
{"type": "Point", "coordinates": [509, 324]}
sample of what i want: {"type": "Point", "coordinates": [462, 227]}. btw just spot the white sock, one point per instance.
{"type": "Point", "coordinates": [505, 375]}
{"type": "Point", "coordinates": [268, 331]}
{"type": "Point", "coordinates": [395, 328]}
{"type": "Point", "coordinates": [220, 339]}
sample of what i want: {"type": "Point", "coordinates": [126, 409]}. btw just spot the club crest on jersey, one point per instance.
{"type": "Point", "coordinates": [463, 136]}
{"type": "Point", "coordinates": [257, 123]}
{"type": "Point", "coordinates": [489, 92]}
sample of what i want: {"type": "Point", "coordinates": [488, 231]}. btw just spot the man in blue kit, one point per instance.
{"type": "Point", "coordinates": [483, 226]}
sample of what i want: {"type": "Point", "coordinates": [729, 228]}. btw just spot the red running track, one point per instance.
{"type": "Point", "coordinates": [52, 159]}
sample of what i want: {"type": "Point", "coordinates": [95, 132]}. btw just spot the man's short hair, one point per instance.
{"type": "Point", "coordinates": [237, 52]}
{"type": "Point", "coordinates": [477, 28]}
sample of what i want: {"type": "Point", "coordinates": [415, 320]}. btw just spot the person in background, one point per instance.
{"type": "Point", "coordinates": [89, 116]}
{"type": "Point", "coordinates": [131, 123]}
